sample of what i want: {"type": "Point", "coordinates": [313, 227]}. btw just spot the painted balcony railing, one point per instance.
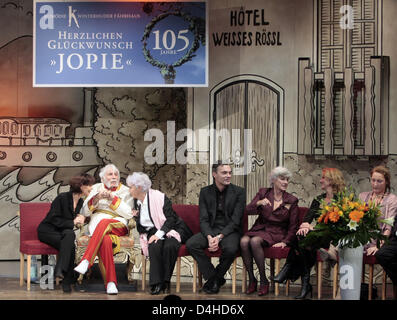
{"type": "Point", "coordinates": [344, 113]}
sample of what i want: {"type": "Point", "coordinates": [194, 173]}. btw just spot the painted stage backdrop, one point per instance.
{"type": "Point", "coordinates": [48, 135]}
{"type": "Point", "coordinates": [312, 79]}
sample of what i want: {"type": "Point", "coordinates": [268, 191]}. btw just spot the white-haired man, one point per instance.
{"type": "Point", "coordinates": [109, 205]}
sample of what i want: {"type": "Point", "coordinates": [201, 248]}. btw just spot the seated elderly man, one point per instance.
{"type": "Point", "coordinates": [109, 205]}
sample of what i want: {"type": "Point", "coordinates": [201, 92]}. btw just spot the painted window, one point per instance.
{"type": "Point", "coordinates": [339, 48]}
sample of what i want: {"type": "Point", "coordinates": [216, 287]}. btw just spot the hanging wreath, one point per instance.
{"type": "Point", "coordinates": [196, 26]}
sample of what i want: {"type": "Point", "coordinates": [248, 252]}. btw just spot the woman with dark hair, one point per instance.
{"type": "Point", "coordinates": [56, 229]}
{"type": "Point", "coordinates": [380, 195]}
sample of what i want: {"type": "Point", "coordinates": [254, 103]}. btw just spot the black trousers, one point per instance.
{"type": "Point", "coordinates": [163, 255]}
{"type": "Point", "coordinates": [63, 241]}
{"type": "Point", "coordinates": [229, 246]}
{"type": "Point", "coordinates": [387, 258]}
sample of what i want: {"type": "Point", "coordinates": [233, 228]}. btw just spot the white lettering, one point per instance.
{"type": "Point", "coordinates": [47, 21]}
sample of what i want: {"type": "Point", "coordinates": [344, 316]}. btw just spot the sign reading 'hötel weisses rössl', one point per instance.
{"type": "Point", "coordinates": [120, 44]}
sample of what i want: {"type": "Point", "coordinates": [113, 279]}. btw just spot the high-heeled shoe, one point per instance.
{"type": "Point", "coordinates": [252, 287]}
{"type": "Point", "coordinates": [306, 287]}
{"type": "Point", "coordinates": [283, 274]}
{"type": "Point", "coordinates": [305, 291]}
{"type": "Point", "coordinates": [263, 289]}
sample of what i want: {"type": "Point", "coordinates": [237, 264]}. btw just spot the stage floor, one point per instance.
{"type": "Point", "coordinates": [11, 290]}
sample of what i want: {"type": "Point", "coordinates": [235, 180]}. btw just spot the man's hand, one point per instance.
{"type": "Point", "coordinates": [212, 243]}
{"type": "Point", "coordinates": [105, 194]}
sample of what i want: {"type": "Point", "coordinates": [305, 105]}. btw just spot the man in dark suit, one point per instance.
{"type": "Point", "coordinates": [387, 257]}
{"type": "Point", "coordinates": [222, 207]}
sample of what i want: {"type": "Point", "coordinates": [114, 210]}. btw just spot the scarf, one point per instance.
{"type": "Point", "coordinates": [156, 203]}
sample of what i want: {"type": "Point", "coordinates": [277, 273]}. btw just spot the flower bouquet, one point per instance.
{"type": "Point", "coordinates": [347, 222]}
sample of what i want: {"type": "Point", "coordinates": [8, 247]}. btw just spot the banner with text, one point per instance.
{"type": "Point", "coordinates": [120, 44]}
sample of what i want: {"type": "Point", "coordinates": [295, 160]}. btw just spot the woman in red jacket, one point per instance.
{"type": "Point", "coordinates": [275, 226]}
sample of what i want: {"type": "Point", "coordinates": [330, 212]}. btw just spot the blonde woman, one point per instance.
{"type": "Point", "coordinates": [300, 261]}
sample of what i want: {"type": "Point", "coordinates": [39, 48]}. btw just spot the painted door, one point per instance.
{"type": "Point", "coordinates": [254, 106]}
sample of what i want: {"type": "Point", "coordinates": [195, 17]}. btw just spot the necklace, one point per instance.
{"type": "Point", "coordinates": [377, 198]}
{"type": "Point", "coordinates": [278, 200]}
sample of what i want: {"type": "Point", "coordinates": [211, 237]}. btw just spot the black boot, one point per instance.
{"type": "Point", "coordinates": [283, 274]}
{"type": "Point", "coordinates": [167, 287]}
{"type": "Point", "coordinates": [306, 287]}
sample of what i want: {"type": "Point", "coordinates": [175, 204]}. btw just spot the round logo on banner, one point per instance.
{"type": "Point", "coordinates": [167, 42]}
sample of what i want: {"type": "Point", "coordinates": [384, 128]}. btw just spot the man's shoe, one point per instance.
{"type": "Point", "coordinates": [221, 281]}
{"type": "Point", "coordinates": [111, 288]}
{"type": "Point", "coordinates": [215, 287]}
{"type": "Point", "coordinates": [82, 266]}
{"type": "Point", "coordinates": [211, 286]}
{"type": "Point", "coordinates": [208, 285]}
{"type": "Point", "coordinates": [156, 289]}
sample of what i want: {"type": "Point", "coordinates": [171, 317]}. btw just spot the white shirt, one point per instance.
{"type": "Point", "coordinates": [123, 210]}
{"type": "Point", "coordinates": [145, 219]}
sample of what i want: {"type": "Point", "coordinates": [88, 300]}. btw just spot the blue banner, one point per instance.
{"type": "Point", "coordinates": [99, 44]}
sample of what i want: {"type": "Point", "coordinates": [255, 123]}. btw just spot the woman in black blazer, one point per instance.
{"type": "Point", "coordinates": [161, 230]}
{"type": "Point", "coordinates": [56, 229]}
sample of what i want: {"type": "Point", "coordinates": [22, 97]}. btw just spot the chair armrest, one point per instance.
{"type": "Point", "coordinates": [131, 224]}
{"type": "Point", "coordinates": [81, 228]}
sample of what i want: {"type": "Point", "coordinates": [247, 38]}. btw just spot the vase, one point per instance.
{"type": "Point", "coordinates": [350, 270]}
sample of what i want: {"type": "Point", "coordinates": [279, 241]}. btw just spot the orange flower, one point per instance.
{"type": "Point", "coordinates": [356, 215]}
{"type": "Point", "coordinates": [334, 216]}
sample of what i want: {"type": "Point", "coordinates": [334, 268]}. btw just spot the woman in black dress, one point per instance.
{"type": "Point", "coordinates": [56, 229]}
